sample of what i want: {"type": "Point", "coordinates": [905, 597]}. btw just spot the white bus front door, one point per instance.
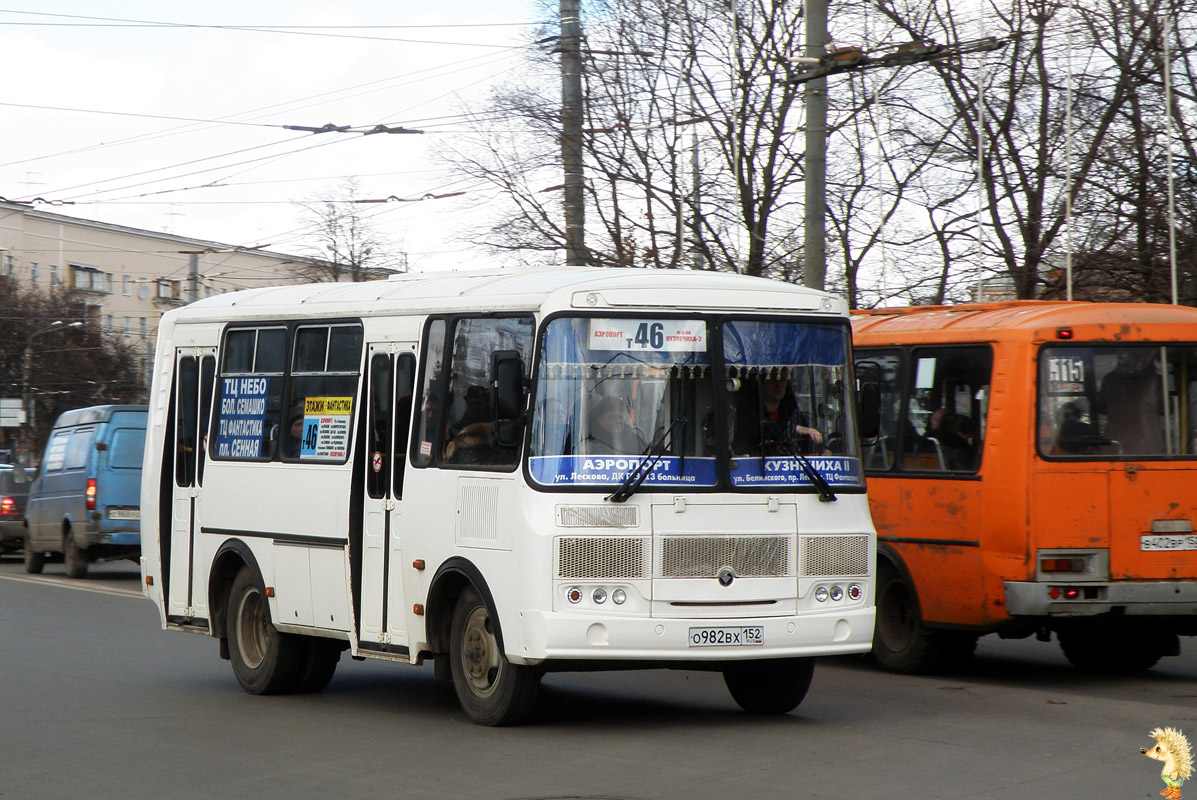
{"type": "Point", "coordinates": [390, 380]}
{"type": "Point", "coordinates": [194, 371]}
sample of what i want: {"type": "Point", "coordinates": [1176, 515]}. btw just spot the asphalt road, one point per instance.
{"type": "Point", "coordinates": [97, 703]}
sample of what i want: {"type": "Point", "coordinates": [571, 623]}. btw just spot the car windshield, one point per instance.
{"type": "Point", "coordinates": [1118, 401]}
{"type": "Point", "coordinates": [607, 387]}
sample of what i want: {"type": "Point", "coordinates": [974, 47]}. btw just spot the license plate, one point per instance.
{"type": "Point", "coordinates": [124, 513]}
{"type": "Point", "coordinates": [1168, 541]}
{"type": "Point", "coordinates": [747, 636]}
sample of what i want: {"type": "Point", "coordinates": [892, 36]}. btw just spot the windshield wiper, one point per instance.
{"type": "Point", "coordinates": [652, 454]}
{"type": "Point", "coordinates": [826, 495]}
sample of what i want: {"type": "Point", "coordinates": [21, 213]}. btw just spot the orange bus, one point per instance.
{"type": "Point", "coordinates": [1035, 473]}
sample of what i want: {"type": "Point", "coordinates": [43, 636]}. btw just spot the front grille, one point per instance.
{"type": "Point", "coordinates": [704, 556]}
{"type": "Point", "coordinates": [834, 556]}
{"type": "Point", "coordinates": [606, 557]}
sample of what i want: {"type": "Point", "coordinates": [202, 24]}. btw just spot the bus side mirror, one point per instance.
{"type": "Point", "coordinates": [868, 391]}
{"type": "Point", "coordinates": [507, 384]}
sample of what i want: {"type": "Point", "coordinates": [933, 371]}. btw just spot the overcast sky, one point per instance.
{"type": "Point", "coordinates": [86, 79]}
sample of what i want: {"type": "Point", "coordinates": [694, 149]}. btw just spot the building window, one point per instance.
{"type": "Point", "coordinates": [126, 288]}
{"type": "Point", "coordinates": [10, 265]}
{"type": "Point", "coordinates": [53, 275]}
{"type": "Point", "coordinates": [168, 289]}
{"type": "Point", "coordinates": [144, 327]}
{"type": "Point", "coordinates": [89, 279]}
{"type": "Point", "coordinates": [108, 323]}
{"type": "Point", "coordinates": [33, 272]}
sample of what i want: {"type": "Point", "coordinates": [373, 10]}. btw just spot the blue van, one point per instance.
{"type": "Point", "coordinates": [86, 501]}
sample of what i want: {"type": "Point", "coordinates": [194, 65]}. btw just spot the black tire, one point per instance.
{"type": "Point", "coordinates": [264, 660]}
{"type": "Point", "coordinates": [1115, 650]}
{"type": "Point", "coordinates": [319, 663]}
{"type": "Point", "coordinates": [492, 691]}
{"type": "Point", "coordinates": [35, 560]}
{"type": "Point", "coordinates": [901, 643]}
{"type": "Point", "coordinates": [770, 687]}
{"type": "Point", "coordinates": [74, 559]}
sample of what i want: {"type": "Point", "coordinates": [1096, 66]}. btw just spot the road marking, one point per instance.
{"type": "Point", "coordinates": [81, 587]}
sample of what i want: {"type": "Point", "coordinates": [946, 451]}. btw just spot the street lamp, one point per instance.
{"type": "Point", "coordinates": [27, 389]}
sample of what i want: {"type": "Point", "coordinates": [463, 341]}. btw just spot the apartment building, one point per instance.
{"type": "Point", "coordinates": [123, 279]}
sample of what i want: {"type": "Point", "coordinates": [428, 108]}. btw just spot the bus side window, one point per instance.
{"type": "Point", "coordinates": [946, 410]}
{"type": "Point", "coordinates": [427, 434]}
{"type": "Point", "coordinates": [472, 414]}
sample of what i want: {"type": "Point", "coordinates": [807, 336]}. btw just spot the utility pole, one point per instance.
{"type": "Point", "coordinates": [193, 276]}
{"type": "Point", "coordinates": [576, 254]}
{"type": "Point", "coordinates": [814, 265]}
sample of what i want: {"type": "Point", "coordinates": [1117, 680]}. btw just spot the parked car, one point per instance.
{"type": "Point", "coordinates": [86, 502]}
{"type": "Point", "coordinates": [14, 492]}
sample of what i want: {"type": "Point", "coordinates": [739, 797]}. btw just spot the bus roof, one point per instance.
{"type": "Point", "coordinates": [592, 288]}
{"type": "Point", "coordinates": [1026, 319]}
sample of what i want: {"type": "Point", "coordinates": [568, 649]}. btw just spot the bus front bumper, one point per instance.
{"type": "Point", "coordinates": [1138, 598]}
{"type": "Point", "coordinates": [552, 636]}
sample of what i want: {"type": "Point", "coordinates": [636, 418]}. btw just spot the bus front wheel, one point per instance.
{"type": "Point", "coordinates": [901, 642]}
{"type": "Point", "coordinates": [769, 687]}
{"type": "Point", "coordinates": [264, 660]}
{"type": "Point", "coordinates": [491, 690]}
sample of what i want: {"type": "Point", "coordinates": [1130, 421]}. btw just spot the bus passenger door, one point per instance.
{"type": "Point", "coordinates": [382, 621]}
{"type": "Point", "coordinates": [194, 371]}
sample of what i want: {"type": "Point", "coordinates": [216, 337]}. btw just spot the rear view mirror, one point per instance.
{"type": "Point", "coordinates": [868, 393]}
{"type": "Point", "coordinates": [507, 384]}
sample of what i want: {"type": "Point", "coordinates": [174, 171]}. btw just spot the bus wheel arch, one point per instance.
{"type": "Point", "coordinates": [454, 577]}
{"type": "Point", "coordinates": [902, 642]}
{"type": "Point", "coordinates": [230, 558]}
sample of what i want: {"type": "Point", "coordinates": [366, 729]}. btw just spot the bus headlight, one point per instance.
{"type": "Point", "coordinates": [599, 596]}
{"type": "Point", "coordinates": [821, 594]}
{"type": "Point", "coordinates": [618, 597]}
{"type": "Point", "coordinates": [837, 593]}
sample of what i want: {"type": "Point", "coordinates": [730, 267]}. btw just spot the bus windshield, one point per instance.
{"type": "Point", "coordinates": [1114, 401]}
{"type": "Point", "coordinates": [609, 387]}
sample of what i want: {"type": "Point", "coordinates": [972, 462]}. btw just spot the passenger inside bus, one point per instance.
{"type": "Point", "coordinates": [1131, 402]}
{"type": "Point", "coordinates": [612, 431]}
{"type": "Point", "coordinates": [956, 434]}
{"type": "Point", "coordinates": [293, 444]}
{"type": "Point", "coordinates": [1073, 434]}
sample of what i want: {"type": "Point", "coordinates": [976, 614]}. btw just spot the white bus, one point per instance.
{"type": "Point", "coordinates": [512, 472]}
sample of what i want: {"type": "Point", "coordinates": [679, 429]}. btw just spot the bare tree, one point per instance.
{"type": "Point", "coordinates": [70, 366]}
{"type": "Point", "coordinates": [345, 244]}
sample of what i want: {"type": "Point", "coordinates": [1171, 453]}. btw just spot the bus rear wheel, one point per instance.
{"type": "Point", "coordinates": [901, 642]}
{"type": "Point", "coordinates": [770, 687]}
{"type": "Point", "coordinates": [264, 660]}
{"type": "Point", "coordinates": [491, 690]}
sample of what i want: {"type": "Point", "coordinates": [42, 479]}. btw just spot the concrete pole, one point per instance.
{"type": "Point", "coordinates": [576, 254]}
{"type": "Point", "coordinates": [193, 264]}
{"type": "Point", "coordinates": [814, 268]}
